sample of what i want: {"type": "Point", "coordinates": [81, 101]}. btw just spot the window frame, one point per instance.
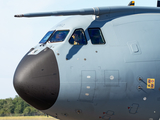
{"type": "Point", "coordinates": [48, 38]}
{"type": "Point", "coordinates": [83, 34]}
{"type": "Point", "coordinates": [101, 34]}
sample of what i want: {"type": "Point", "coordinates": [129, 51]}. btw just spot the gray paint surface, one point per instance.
{"type": "Point", "coordinates": [109, 81]}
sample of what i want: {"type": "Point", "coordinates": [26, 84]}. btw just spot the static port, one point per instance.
{"type": "Point", "coordinates": [139, 87]}
{"type": "Point", "coordinates": [140, 78]}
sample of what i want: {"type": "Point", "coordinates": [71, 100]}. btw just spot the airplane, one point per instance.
{"type": "Point", "coordinates": [101, 64]}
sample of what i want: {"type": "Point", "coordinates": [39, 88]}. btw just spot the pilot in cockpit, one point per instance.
{"type": "Point", "coordinates": [76, 39]}
{"type": "Point", "coordinates": [58, 36]}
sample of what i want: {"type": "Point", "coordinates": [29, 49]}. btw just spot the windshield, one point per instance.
{"type": "Point", "coordinates": [58, 36]}
{"type": "Point", "coordinates": [45, 38]}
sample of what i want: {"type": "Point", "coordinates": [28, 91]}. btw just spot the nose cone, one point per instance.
{"type": "Point", "coordinates": [36, 79]}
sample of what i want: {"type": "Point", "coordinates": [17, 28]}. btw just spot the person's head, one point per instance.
{"type": "Point", "coordinates": [60, 35]}
{"type": "Point", "coordinates": [75, 36]}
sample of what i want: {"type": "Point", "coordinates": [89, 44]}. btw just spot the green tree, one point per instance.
{"type": "Point", "coordinates": [8, 106]}
{"type": "Point", "coordinates": [2, 113]}
{"type": "Point", "coordinates": [18, 109]}
{"type": "Point", "coordinates": [16, 106]}
{"type": "Point", "coordinates": [27, 110]}
{"type": "Point", "coordinates": [19, 104]}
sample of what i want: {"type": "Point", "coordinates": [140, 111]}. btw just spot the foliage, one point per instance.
{"type": "Point", "coordinates": [17, 106]}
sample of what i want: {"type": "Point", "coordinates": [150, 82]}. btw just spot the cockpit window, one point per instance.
{"type": "Point", "coordinates": [58, 36]}
{"type": "Point", "coordinates": [45, 38]}
{"type": "Point", "coordinates": [96, 36]}
{"type": "Point", "coordinates": [78, 38]}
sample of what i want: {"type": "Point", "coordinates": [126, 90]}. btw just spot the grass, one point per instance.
{"type": "Point", "coordinates": [28, 118]}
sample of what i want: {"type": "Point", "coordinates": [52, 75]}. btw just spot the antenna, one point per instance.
{"type": "Point", "coordinates": [131, 3]}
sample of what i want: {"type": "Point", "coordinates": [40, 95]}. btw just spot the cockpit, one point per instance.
{"type": "Point", "coordinates": [55, 36]}
{"type": "Point", "coordinates": [77, 38]}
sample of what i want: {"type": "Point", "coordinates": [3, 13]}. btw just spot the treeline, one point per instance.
{"type": "Point", "coordinates": [17, 107]}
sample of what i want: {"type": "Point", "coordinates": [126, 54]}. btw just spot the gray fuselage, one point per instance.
{"type": "Point", "coordinates": [108, 81]}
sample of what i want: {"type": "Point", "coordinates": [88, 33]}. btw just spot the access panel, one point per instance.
{"type": "Point", "coordinates": [88, 84]}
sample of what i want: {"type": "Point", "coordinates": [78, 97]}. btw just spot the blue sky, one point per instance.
{"type": "Point", "coordinates": [18, 35]}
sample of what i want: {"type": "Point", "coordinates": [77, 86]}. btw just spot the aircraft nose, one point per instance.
{"type": "Point", "coordinates": [36, 79]}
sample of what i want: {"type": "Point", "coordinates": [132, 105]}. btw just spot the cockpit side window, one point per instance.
{"type": "Point", "coordinates": [46, 37]}
{"type": "Point", "coordinates": [78, 38]}
{"type": "Point", "coordinates": [96, 36]}
{"type": "Point", "coordinates": [58, 36]}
